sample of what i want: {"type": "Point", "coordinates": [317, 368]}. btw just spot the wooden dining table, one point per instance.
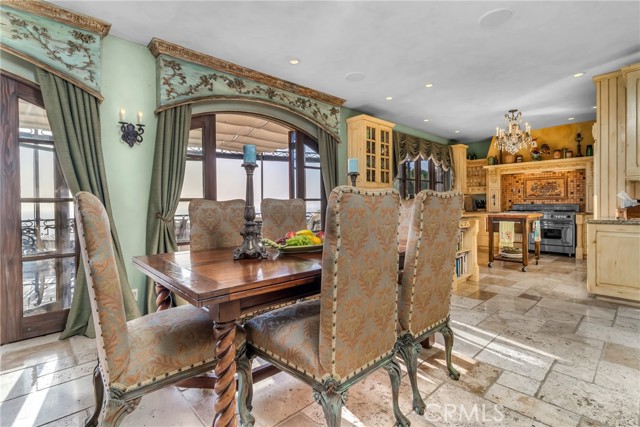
{"type": "Point", "coordinates": [229, 289]}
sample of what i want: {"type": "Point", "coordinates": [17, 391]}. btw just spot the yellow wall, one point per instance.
{"type": "Point", "coordinates": [557, 137]}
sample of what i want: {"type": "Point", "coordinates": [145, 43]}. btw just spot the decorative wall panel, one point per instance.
{"type": "Point", "coordinates": [57, 40]}
{"type": "Point", "coordinates": [185, 76]}
{"type": "Point", "coordinates": [545, 188]}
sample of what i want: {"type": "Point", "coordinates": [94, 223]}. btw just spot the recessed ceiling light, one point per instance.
{"type": "Point", "coordinates": [426, 120]}
{"type": "Point", "coordinates": [495, 18]}
{"type": "Point", "coordinates": [389, 98]}
{"type": "Point", "coordinates": [356, 76]}
{"type": "Point", "coordinates": [580, 74]}
{"type": "Point", "coordinates": [294, 61]}
{"type": "Point", "coordinates": [456, 131]}
{"type": "Point", "coordinates": [571, 118]}
{"type": "Point", "coordinates": [429, 85]}
{"type": "Point", "coordinates": [594, 107]}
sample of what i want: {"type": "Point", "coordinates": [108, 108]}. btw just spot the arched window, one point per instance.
{"type": "Point", "coordinates": [288, 164]}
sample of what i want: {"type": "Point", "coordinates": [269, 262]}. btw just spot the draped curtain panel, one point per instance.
{"type": "Point", "coordinates": [75, 123]}
{"type": "Point", "coordinates": [169, 162]}
{"type": "Point", "coordinates": [328, 148]}
{"type": "Point", "coordinates": [411, 148]}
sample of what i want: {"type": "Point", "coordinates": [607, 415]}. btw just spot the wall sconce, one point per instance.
{"type": "Point", "coordinates": [130, 134]}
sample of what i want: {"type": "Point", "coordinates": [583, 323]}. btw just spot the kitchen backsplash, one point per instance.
{"type": "Point", "coordinates": [544, 188]}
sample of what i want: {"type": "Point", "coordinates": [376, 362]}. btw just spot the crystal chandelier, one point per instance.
{"type": "Point", "coordinates": [514, 138]}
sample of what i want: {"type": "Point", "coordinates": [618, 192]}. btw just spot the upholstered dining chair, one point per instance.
{"type": "Point", "coordinates": [406, 207]}
{"type": "Point", "coordinates": [144, 354]}
{"type": "Point", "coordinates": [216, 224]}
{"type": "Point", "coordinates": [334, 342]}
{"type": "Point", "coordinates": [425, 291]}
{"type": "Point", "coordinates": [282, 215]}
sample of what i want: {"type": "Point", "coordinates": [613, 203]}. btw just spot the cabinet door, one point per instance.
{"type": "Point", "coordinates": [493, 200]}
{"type": "Point", "coordinates": [633, 113]}
{"type": "Point", "coordinates": [384, 170]}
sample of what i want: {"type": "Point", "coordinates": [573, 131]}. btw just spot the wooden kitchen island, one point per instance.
{"type": "Point", "coordinates": [523, 225]}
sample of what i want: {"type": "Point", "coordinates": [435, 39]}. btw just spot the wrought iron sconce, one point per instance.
{"type": "Point", "coordinates": [131, 134]}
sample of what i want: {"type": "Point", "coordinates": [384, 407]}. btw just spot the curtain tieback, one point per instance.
{"type": "Point", "coordinates": [163, 219]}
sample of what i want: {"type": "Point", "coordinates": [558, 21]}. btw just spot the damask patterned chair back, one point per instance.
{"type": "Point", "coordinates": [216, 224]}
{"type": "Point", "coordinates": [429, 260]}
{"type": "Point", "coordinates": [282, 215]}
{"type": "Point", "coordinates": [425, 290]}
{"type": "Point", "coordinates": [406, 207]}
{"type": "Point", "coordinates": [103, 282]}
{"type": "Point", "coordinates": [142, 355]}
{"type": "Point", "coordinates": [359, 279]}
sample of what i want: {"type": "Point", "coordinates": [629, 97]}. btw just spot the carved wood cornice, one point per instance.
{"type": "Point", "coordinates": [157, 47]}
{"type": "Point", "coordinates": [59, 14]}
{"type": "Point", "coordinates": [542, 166]}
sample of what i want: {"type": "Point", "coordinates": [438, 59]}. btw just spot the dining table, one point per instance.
{"type": "Point", "coordinates": [229, 289]}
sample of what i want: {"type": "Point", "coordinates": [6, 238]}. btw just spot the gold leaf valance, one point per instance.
{"type": "Point", "coordinates": [411, 148]}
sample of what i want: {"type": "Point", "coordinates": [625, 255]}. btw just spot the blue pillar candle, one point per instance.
{"type": "Point", "coordinates": [352, 166]}
{"type": "Point", "coordinates": [249, 153]}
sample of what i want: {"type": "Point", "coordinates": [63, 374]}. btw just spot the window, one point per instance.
{"type": "Point", "coordinates": [36, 217]}
{"type": "Point", "coordinates": [288, 165]}
{"type": "Point", "coordinates": [414, 177]}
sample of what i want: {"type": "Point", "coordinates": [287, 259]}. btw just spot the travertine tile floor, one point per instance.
{"type": "Point", "coordinates": [533, 349]}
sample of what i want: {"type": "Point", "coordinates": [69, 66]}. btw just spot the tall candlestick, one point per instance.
{"type": "Point", "coordinates": [249, 153]}
{"type": "Point", "coordinates": [252, 246]}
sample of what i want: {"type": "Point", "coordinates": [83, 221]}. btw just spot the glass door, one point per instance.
{"type": "Point", "coordinates": [38, 254]}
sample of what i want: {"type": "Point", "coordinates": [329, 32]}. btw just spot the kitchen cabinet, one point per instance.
{"type": "Point", "coordinates": [612, 264]}
{"type": "Point", "coordinates": [476, 177]}
{"type": "Point", "coordinates": [631, 77]}
{"type": "Point", "coordinates": [617, 160]}
{"type": "Point", "coordinates": [370, 140]}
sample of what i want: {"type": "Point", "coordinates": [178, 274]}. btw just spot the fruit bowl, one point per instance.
{"type": "Point", "coordinates": [300, 249]}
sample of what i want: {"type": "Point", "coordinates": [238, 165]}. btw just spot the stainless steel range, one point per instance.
{"type": "Point", "coordinates": [557, 226]}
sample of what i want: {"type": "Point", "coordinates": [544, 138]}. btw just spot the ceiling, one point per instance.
{"type": "Point", "coordinates": [480, 63]}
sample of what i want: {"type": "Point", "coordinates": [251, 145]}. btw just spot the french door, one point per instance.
{"type": "Point", "coordinates": [38, 254]}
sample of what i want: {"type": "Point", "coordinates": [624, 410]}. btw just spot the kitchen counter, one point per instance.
{"type": "Point", "coordinates": [634, 221]}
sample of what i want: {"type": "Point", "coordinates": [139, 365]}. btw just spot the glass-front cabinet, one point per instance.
{"type": "Point", "coordinates": [370, 141]}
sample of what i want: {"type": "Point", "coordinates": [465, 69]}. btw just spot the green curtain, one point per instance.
{"type": "Point", "coordinates": [75, 123]}
{"type": "Point", "coordinates": [328, 150]}
{"type": "Point", "coordinates": [169, 162]}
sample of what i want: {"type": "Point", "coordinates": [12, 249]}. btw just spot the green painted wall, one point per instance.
{"type": "Point", "coordinates": [128, 82]}
{"type": "Point", "coordinates": [480, 148]}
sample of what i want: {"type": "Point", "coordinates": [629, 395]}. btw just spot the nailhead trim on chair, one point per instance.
{"type": "Point", "coordinates": [341, 193]}
{"type": "Point", "coordinates": [447, 195]}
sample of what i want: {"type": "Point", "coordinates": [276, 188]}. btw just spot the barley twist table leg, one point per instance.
{"type": "Point", "coordinates": [225, 372]}
{"type": "Point", "coordinates": [163, 298]}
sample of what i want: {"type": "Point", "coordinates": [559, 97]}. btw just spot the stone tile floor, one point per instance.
{"type": "Point", "coordinates": [533, 349]}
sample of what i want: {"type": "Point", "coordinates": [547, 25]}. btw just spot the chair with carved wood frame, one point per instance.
{"type": "Point", "coordinates": [142, 355]}
{"type": "Point", "coordinates": [282, 215]}
{"type": "Point", "coordinates": [425, 291]}
{"type": "Point", "coordinates": [350, 332]}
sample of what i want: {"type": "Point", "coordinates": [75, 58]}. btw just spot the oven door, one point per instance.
{"type": "Point", "coordinates": [555, 236]}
